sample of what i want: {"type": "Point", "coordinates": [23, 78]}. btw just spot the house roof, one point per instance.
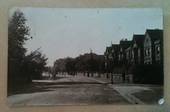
{"type": "Point", "coordinates": [125, 43]}
{"type": "Point", "coordinates": [139, 39]}
{"type": "Point", "coordinates": [155, 33]}
{"type": "Point", "coordinates": [115, 46]}
{"type": "Point", "coordinates": [108, 49]}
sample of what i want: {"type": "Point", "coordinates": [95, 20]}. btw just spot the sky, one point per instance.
{"type": "Point", "coordinates": [69, 32]}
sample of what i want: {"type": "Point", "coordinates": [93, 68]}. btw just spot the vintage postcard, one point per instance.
{"type": "Point", "coordinates": [85, 56]}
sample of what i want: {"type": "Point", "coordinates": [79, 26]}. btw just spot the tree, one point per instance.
{"type": "Point", "coordinates": [35, 64]}
{"type": "Point", "coordinates": [70, 66]}
{"type": "Point", "coordinates": [18, 33]}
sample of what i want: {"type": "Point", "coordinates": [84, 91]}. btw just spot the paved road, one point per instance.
{"type": "Point", "coordinates": [77, 90]}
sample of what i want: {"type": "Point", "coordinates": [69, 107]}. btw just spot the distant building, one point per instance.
{"type": "Point", "coordinates": [153, 47]}
{"type": "Point", "coordinates": [137, 49]}
{"type": "Point", "coordinates": [123, 45]}
{"type": "Point", "coordinates": [130, 57]}
{"type": "Point", "coordinates": [114, 53]}
{"type": "Point", "coordinates": [108, 54]}
{"type": "Point", "coordinates": [111, 56]}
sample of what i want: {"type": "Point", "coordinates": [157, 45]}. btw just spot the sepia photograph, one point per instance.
{"type": "Point", "coordinates": [85, 56]}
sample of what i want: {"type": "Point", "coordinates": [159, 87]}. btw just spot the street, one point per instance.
{"type": "Point", "coordinates": [71, 90]}
{"type": "Point", "coordinates": [83, 90]}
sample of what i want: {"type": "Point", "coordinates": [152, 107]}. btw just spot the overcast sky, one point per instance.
{"type": "Point", "coordinates": [62, 32]}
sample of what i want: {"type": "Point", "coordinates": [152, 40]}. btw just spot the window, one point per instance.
{"type": "Point", "coordinates": [112, 50]}
{"type": "Point", "coordinates": [157, 52]}
{"type": "Point", "coordinates": [110, 56]}
{"type": "Point", "coordinates": [139, 55]}
{"type": "Point", "coordinates": [157, 49]}
{"type": "Point", "coordinates": [149, 51]}
{"type": "Point", "coordinates": [119, 56]}
{"type": "Point", "coordinates": [132, 54]}
{"type": "Point", "coordinates": [146, 52]}
{"type": "Point", "coordinates": [121, 49]}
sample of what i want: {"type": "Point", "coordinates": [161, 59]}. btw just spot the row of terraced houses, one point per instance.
{"type": "Point", "coordinates": [142, 57]}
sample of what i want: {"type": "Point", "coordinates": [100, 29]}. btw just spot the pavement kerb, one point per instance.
{"type": "Point", "coordinates": [129, 97]}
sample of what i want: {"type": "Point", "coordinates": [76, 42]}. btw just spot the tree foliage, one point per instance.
{"type": "Point", "coordinates": [18, 33]}
{"type": "Point", "coordinates": [22, 68]}
{"type": "Point", "coordinates": [83, 63]}
{"type": "Point", "coordinates": [35, 64]}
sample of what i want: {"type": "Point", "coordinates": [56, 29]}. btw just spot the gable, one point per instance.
{"type": "Point", "coordinates": [147, 41]}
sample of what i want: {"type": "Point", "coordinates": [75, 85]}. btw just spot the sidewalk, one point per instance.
{"type": "Point", "coordinates": [136, 93]}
